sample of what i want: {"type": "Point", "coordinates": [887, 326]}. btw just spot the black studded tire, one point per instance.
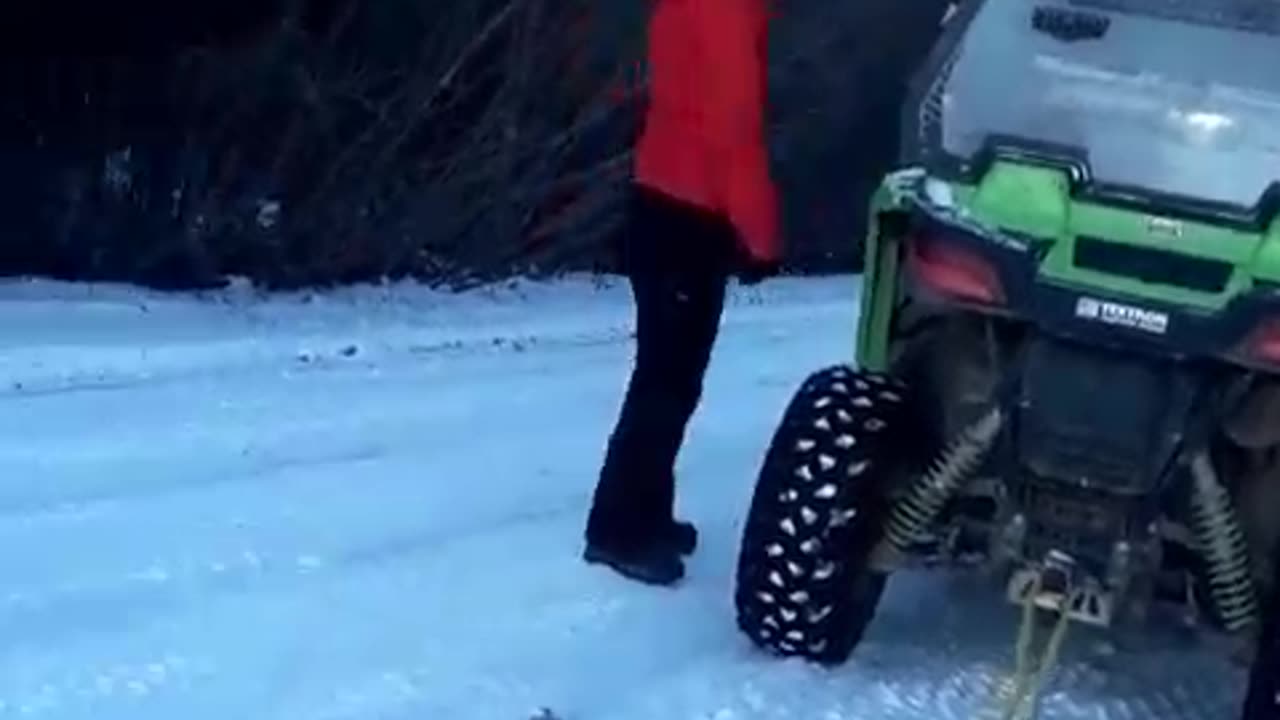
{"type": "Point", "coordinates": [803, 586]}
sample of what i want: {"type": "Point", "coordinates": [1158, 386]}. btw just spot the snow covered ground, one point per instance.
{"type": "Point", "coordinates": [368, 504]}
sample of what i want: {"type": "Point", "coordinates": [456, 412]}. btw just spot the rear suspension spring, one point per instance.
{"type": "Point", "coordinates": [919, 507]}
{"type": "Point", "coordinates": [1223, 546]}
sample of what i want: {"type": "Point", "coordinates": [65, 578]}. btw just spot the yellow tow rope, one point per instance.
{"type": "Point", "coordinates": [1019, 696]}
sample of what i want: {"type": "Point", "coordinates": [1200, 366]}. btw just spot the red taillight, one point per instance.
{"type": "Point", "coordinates": [954, 271]}
{"type": "Point", "coordinates": [1263, 343]}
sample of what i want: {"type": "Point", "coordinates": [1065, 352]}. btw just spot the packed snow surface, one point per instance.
{"type": "Point", "coordinates": [368, 504]}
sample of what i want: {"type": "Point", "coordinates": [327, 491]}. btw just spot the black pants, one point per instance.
{"type": "Point", "coordinates": [678, 258]}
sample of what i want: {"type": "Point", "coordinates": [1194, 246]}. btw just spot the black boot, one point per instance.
{"type": "Point", "coordinates": [682, 537]}
{"type": "Point", "coordinates": [654, 565]}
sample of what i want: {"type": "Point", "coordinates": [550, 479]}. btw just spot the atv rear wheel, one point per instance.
{"type": "Point", "coordinates": [804, 587]}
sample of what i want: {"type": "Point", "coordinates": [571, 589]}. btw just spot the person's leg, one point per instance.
{"type": "Point", "coordinates": [677, 262]}
{"type": "Point", "coordinates": [618, 519]}
{"type": "Point", "coordinates": [694, 294]}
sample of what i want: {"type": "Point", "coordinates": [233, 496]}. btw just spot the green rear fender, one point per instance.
{"type": "Point", "coordinates": [1266, 262]}
{"type": "Point", "coordinates": [879, 282]}
{"type": "Point", "coordinates": [1028, 200]}
{"type": "Point", "coordinates": [1036, 203]}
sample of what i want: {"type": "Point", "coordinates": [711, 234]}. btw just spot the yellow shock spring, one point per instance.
{"type": "Point", "coordinates": [919, 507]}
{"type": "Point", "coordinates": [1223, 545]}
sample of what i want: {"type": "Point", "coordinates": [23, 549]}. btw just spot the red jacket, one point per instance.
{"type": "Point", "coordinates": [704, 136]}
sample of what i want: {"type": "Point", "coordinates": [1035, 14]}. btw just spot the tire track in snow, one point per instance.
{"type": "Point", "coordinates": [244, 450]}
{"type": "Point", "coordinates": [159, 584]}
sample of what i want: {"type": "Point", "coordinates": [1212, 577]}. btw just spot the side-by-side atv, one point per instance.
{"type": "Point", "coordinates": [1068, 355]}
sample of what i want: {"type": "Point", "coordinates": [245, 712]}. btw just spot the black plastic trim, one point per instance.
{"type": "Point", "coordinates": [1152, 265]}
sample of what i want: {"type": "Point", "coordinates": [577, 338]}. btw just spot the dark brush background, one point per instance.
{"type": "Point", "coordinates": [312, 142]}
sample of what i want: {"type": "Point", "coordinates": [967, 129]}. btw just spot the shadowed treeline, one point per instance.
{"type": "Point", "coordinates": [303, 142]}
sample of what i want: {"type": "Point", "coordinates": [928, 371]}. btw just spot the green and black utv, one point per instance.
{"type": "Point", "coordinates": [1068, 355]}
